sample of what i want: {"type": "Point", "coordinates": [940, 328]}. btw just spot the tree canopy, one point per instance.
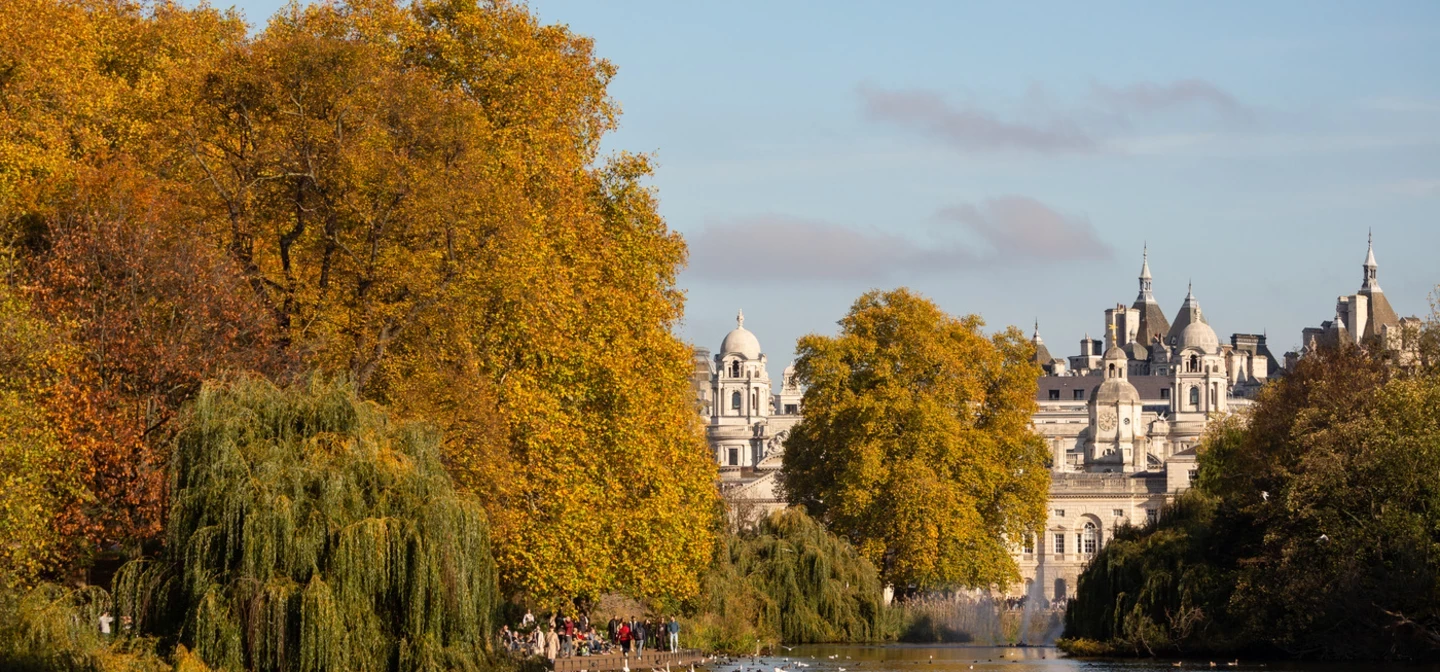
{"type": "Point", "coordinates": [916, 443]}
{"type": "Point", "coordinates": [1314, 529]}
{"type": "Point", "coordinates": [309, 531]}
{"type": "Point", "coordinates": [408, 195]}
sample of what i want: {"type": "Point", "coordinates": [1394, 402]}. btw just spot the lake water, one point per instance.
{"type": "Point", "coordinates": [961, 658]}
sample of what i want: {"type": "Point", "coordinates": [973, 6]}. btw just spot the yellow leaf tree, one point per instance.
{"type": "Point", "coordinates": [916, 443]}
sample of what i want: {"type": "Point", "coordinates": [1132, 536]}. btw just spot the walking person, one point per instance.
{"type": "Point", "coordinates": [624, 637]}
{"type": "Point", "coordinates": [674, 629]}
{"type": "Point", "coordinates": [637, 633]}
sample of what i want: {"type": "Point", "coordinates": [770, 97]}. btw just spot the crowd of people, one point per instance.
{"type": "Point", "coordinates": [561, 636]}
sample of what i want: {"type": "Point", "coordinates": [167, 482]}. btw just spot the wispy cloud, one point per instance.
{"type": "Point", "coordinates": [1151, 97]}
{"type": "Point", "coordinates": [970, 128]}
{"type": "Point", "coordinates": [1019, 228]}
{"type": "Point", "coordinates": [1044, 126]}
{"type": "Point", "coordinates": [999, 231]}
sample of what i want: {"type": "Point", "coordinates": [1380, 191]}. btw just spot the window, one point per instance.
{"type": "Point", "coordinates": [1119, 513]}
{"type": "Point", "coordinates": [1054, 395]}
{"type": "Point", "coordinates": [1079, 394]}
{"type": "Point", "coordinates": [1164, 392]}
{"type": "Point", "coordinates": [1193, 473]}
{"type": "Point", "coordinates": [1029, 544]}
{"type": "Point", "coordinates": [1194, 396]}
{"type": "Point", "coordinates": [735, 368]}
{"type": "Point", "coordinates": [1059, 543]}
{"type": "Point", "coordinates": [734, 456]}
{"type": "Point", "coordinates": [1152, 516]}
{"type": "Point", "coordinates": [1059, 513]}
{"type": "Point", "coordinates": [735, 401]}
{"type": "Point", "coordinates": [1089, 539]}
{"type": "Point", "coordinates": [792, 409]}
{"type": "Point", "coordinates": [755, 399]}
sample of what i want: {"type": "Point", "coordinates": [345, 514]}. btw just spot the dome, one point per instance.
{"type": "Point", "coordinates": [1199, 335]}
{"type": "Point", "coordinates": [1115, 390]}
{"type": "Point", "coordinates": [740, 341]}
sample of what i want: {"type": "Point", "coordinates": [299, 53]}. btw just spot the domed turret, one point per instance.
{"type": "Point", "coordinates": [1200, 336]}
{"type": "Point", "coordinates": [740, 341]}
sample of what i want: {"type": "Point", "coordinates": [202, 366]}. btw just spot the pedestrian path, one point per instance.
{"type": "Point", "coordinates": [608, 662]}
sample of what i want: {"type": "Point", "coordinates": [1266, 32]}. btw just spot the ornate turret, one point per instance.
{"type": "Point", "coordinates": [1189, 312]}
{"type": "Point", "coordinates": [1042, 353]}
{"type": "Point", "coordinates": [1377, 314]}
{"type": "Point", "coordinates": [1152, 319]}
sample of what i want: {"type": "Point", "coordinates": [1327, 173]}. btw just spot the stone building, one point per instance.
{"type": "Point", "coordinates": [746, 421]}
{"type": "Point", "coordinates": [1121, 420]}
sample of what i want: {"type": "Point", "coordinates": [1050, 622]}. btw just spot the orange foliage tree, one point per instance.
{"type": "Point", "coordinates": [409, 195]}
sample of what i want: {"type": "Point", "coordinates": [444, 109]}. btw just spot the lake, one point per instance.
{"type": "Point", "coordinates": [962, 658]}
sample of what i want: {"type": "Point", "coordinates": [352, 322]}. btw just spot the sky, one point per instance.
{"type": "Point", "coordinates": [1012, 160]}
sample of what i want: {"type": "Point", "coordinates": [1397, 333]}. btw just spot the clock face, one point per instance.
{"type": "Point", "coordinates": [1127, 421]}
{"type": "Point", "coordinates": [1106, 420]}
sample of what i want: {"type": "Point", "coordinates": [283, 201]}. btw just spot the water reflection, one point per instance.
{"type": "Point", "coordinates": [959, 658]}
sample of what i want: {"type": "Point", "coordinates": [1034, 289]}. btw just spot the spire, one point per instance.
{"type": "Point", "coordinates": [1145, 295]}
{"type": "Point", "coordinates": [1036, 336]}
{"type": "Point", "coordinates": [740, 320]}
{"type": "Point", "coordinates": [1370, 284]}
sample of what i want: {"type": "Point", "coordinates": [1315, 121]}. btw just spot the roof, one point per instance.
{"type": "Point", "coordinates": [1152, 321]}
{"type": "Point", "coordinates": [1379, 313]}
{"type": "Point", "coordinates": [1189, 312]}
{"type": "Point", "coordinates": [1148, 386]}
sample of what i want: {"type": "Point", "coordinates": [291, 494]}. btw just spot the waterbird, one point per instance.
{"type": "Point", "coordinates": [1323, 538]}
{"type": "Point", "coordinates": [1265, 495]}
{"type": "Point", "coordinates": [1176, 664]}
{"type": "Point", "coordinates": [1233, 663]}
{"type": "Point", "coordinates": [1212, 663]}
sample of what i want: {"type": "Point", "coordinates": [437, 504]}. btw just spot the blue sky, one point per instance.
{"type": "Point", "coordinates": [1011, 159]}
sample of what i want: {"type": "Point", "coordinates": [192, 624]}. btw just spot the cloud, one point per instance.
{"type": "Point", "coordinates": [969, 128]}
{"type": "Point", "coordinates": [1018, 228]}
{"type": "Point", "coordinates": [767, 247]}
{"type": "Point", "coordinates": [1080, 128]}
{"type": "Point", "coordinates": [1000, 231]}
{"type": "Point", "coordinates": [1149, 97]}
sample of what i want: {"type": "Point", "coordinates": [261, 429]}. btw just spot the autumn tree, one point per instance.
{"type": "Point", "coordinates": [916, 442]}
{"type": "Point", "coordinates": [407, 195]}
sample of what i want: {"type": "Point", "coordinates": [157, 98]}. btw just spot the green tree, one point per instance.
{"type": "Point", "coordinates": [308, 531]}
{"type": "Point", "coordinates": [1314, 531]}
{"type": "Point", "coordinates": [790, 580]}
{"type": "Point", "coordinates": [916, 443]}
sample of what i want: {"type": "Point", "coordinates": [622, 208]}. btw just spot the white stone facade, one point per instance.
{"type": "Point", "coordinates": [1121, 420]}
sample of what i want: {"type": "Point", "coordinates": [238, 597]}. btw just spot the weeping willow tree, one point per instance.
{"type": "Point", "coordinates": [791, 580]}
{"type": "Point", "coordinates": [307, 532]}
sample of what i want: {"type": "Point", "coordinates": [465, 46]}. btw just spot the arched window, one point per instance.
{"type": "Point", "coordinates": [1194, 364]}
{"type": "Point", "coordinates": [755, 399]}
{"type": "Point", "coordinates": [1194, 396]}
{"type": "Point", "coordinates": [735, 401]}
{"type": "Point", "coordinates": [1089, 538]}
{"type": "Point", "coordinates": [1112, 371]}
{"type": "Point", "coordinates": [735, 369]}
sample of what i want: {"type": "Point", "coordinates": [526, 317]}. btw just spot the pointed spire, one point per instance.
{"type": "Point", "coordinates": [1036, 335]}
{"type": "Point", "coordinates": [1145, 264]}
{"type": "Point", "coordinates": [1370, 283]}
